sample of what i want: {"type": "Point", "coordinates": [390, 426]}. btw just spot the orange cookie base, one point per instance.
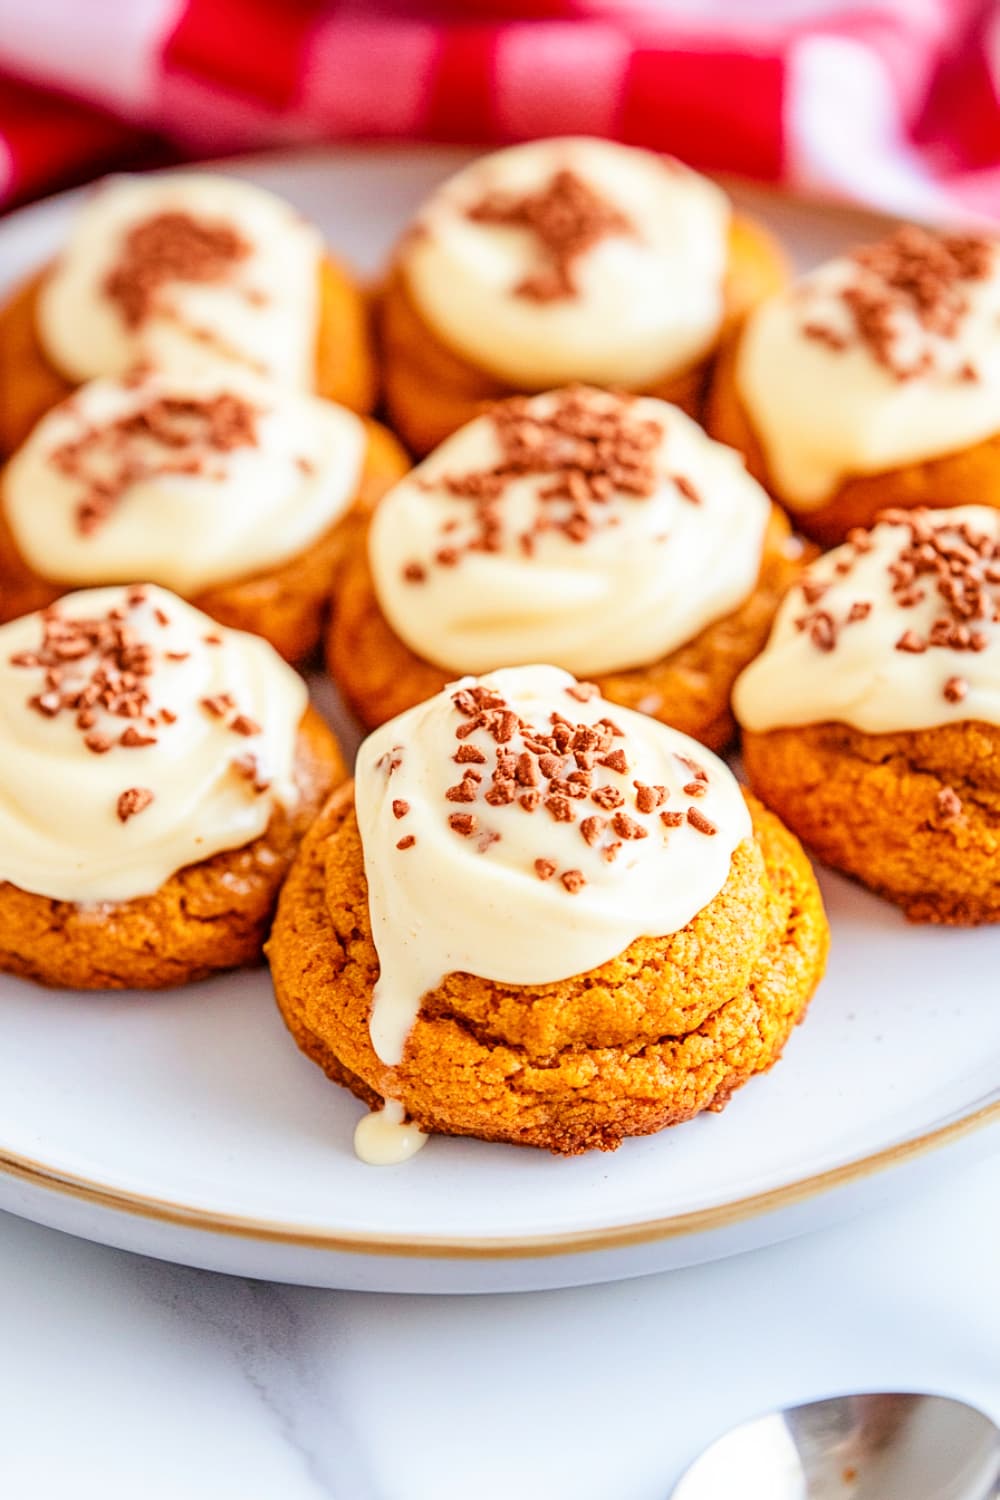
{"type": "Point", "coordinates": [431, 390]}
{"type": "Point", "coordinates": [968, 477]}
{"type": "Point", "coordinates": [871, 805]}
{"type": "Point", "coordinates": [690, 689]}
{"type": "Point", "coordinates": [287, 604]}
{"type": "Point", "coordinates": [669, 1028]}
{"type": "Point", "coordinates": [30, 385]}
{"type": "Point", "coordinates": [208, 916]}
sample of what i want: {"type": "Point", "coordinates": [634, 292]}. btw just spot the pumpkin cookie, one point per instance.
{"type": "Point", "coordinates": [872, 720]}
{"type": "Point", "coordinates": [603, 533]}
{"type": "Point", "coordinates": [174, 270]}
{"type": "Point", "coordinates": [872, 383]}
{"type": "Point", "coordinates": [564, 260]}
{"type": "Point", "coordinates": [156, 776]}
{"type": "Point", "coordinates": [235, 493]}
{"type": "Point", "coordinates": [545, 920]}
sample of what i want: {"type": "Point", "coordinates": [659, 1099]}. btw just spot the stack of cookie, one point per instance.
{"type": "Point", "coordinates": [544, 912]}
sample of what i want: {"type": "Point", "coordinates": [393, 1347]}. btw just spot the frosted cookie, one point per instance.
{"type": "Point", "coordinates": [872, 383]}
{"type": "Point", "coordinates": [572, 259]}
{"type": "Point", "coordinates": [237, 494]}
{"type": "Point", "coordinates": [871, 723]}
{"type": "Point", "coordinates": [178, 270]}
{"type": "Point", "coordinates": [542, 919]}
{"type": "Point", "coordinates": [606, 534]}
{"type": "Point", "coordinates": [156, 775]}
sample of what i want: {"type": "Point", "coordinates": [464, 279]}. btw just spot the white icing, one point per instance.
{"type": "Point", "coordinates": [824, 414]}
{"type": "Point", "coordinates": [446, 904]}
{"type": "Point", "coordinates": [648, 303]}
{"type": "Point", "coordinates": [629, 594]}
{"type": "Point", "coordinates": [385, 1138]}
{"type": "Point", "coordinates": [865, 681]}
{"type": "Point", "coordinates": [264, 314]}
{"type": "Point", "coordinates": [251, 508]}
{"type": "Point", "coordinates": [60, 833]}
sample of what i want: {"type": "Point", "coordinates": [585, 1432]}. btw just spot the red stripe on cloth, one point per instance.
{"type": "Point", "coordinates": [960, 122]}
{"type": "Point", "coordinates": [52, 142]}
{"type": "Point", "coordinates": [716, 110]}
{"type": "Point", "coordinates": [250, 47]}
{"type": "Point", "coordinates": [461, 85]}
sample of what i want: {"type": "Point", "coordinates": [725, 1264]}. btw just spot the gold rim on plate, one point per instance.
{"type": "Point", "coordinates": [570, 1242]}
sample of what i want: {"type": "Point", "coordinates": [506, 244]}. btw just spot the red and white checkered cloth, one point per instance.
{"type": "Point", "coordinates": [894, 103]}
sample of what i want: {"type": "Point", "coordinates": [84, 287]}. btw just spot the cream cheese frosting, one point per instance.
{"type": "Point", "coordinates": [136, 737]}
{"type": "Point", "coordinates": [898, 629]}
{"type": "Point", "coordinates": [572, 259]}
{"type": "Point", "coordinates": [886, 357]}
{"type": "Point", "coordinates": [520, 828]}
{"type": "Point", "coordinates": [594, 531]}
{"type": "Point", "coordinates": [183, 268]}
{"type": "Point", "coordinates": [190, 479]}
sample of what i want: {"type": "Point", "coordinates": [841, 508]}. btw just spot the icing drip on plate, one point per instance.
{"type": "Point", "coordinates": [595, 531]}
{"type": "Point", "coordinates": [385, 1138]}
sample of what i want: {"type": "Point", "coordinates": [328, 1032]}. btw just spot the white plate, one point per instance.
{"type": "Point", "coordinates": [187, 1125]}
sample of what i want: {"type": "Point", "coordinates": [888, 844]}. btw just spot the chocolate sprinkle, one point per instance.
{"type": "Point", "coordinates": [170, 247]}
{"type": "Point", "coordinates": [947, 559]}
{"type": "Point", "coordinates": [915, 272]}
{"type": "Point", "coordinates": [567, 217]}
{"type": "Point", "coordinates": [134, 800]}
{"type": "Point", "coordinates": [463, 823]}
{"type": "Point", "coordinates": [243, 724]}
{"type": "Point", "coordinates": [167, 436]}
{"type": "Point", "coordinates": [590, 447]}
{"type": "Point", "coordinates": [540, 767]}
{"type": "Point", "coordinates": [102, 667]}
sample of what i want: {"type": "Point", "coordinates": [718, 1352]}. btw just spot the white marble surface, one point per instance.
{"type": "Point", "coordinates": [123, 1378]}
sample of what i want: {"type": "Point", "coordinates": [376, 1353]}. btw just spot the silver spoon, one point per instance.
{"type": "Point", "coordinates": [882, 1446]}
